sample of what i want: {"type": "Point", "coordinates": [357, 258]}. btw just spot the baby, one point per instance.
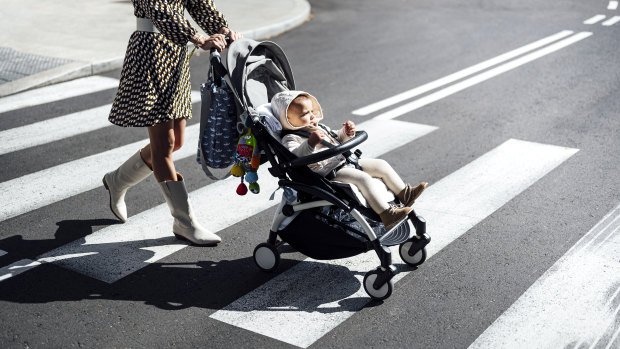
{"type": "Point", "coordinates": [299, 110]}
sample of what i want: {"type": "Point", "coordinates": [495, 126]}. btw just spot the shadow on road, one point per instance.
{"type": "Point", "coordinates": [209, 284]}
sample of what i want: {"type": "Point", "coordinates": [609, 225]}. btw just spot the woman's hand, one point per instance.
{"type": "Point", "coordinates": [217, 41]}
{"type": "Point", "coordinates": [233, 35]}
{"type": "Point", "coordinates": [316, 137]}
{"type": "Point", "coordinates": [349, 128]}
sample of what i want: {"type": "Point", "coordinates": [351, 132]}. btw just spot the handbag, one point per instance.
{"type": "Point", "coordinates": [218, 134]}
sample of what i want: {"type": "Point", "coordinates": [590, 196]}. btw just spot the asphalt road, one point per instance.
{"type": "Point", "coordinates": [352, 54]}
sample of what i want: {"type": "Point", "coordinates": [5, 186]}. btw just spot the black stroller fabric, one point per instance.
{"type": "Point", "coordinates": [318, 239]}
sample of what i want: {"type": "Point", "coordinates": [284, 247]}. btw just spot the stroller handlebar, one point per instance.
{"type": "Point", "coordinates": [360, 137]}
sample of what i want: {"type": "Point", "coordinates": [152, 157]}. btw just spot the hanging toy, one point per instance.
{"type": "Point", "coordinates": [247, 160]}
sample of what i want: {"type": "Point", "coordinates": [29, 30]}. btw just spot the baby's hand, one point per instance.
{"type": "Point", "coordinates": [349, 128]}
{"type": "Point", "coordinates": [316, 137]}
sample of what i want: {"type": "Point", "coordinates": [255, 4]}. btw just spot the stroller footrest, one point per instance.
{"type": "Point", "coordinates": [396, 235]}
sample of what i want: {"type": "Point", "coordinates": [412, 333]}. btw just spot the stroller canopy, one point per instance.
{"type": "Point", "coordinates": [257, 71]}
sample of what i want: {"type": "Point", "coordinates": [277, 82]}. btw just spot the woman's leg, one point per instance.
{"type": "Point", "coordinates": [165, 139]}
{"type": "Point", "coordinates": [381, 169]}
{"type": "Point", "coordinates": [179, 137]}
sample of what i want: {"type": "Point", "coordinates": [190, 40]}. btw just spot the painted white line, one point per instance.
{"type": "Point", "coordinates": [613, 5]}
{"type": "Point", "coordinates": [65, 126]}
{"type": "Point", "coordinates": [307, 301]}
{"type": "Point", "coordinates": [433, 97]}
{"type": "Point", "coordinates": [613, 20]}
{"type": "Point", "coordinates": [459, 75]}
{"type": "Point", "coordinates": [119, 250]}
{"type": "Point", "coordinates": [17, 268]}
{"type": "Point", "coordinates": [57, 92]}
{"type": "Point", "coordinates": [594, 19]}
{"type": "Point", "coordinates": [613, 339]}
{"type": "Point", "coordinates": [56, 183]}
{"type": "Point", "coordinates": [569, 303]}
{"type": "Point", "coordinates": [2, 253]}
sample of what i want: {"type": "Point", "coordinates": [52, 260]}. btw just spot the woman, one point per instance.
{"type": "Point", "coordinates": [154, 92]}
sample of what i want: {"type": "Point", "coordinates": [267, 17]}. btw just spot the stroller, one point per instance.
{"type": "Point", "coordinates": [318, 217]}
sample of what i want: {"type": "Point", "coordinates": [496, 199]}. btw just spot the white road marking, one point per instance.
{"type": "Point", "coordinates": [17, 268]}
{"type": "Point", "coordinates": [594, 19]}
{"type": "Point", "coordinates": [613, 20]}
{"type": "Point", "coordinates": [460, 74]}
{"type": "Point", "coordinates": [613, 5]}
{"type": "Point", "coordinates": [57, 92]}
{"type": "Point", "coordinates": [65, 126]}
{"type": "Point", "coordinates": [119, 250]}
{"type": "Point", "coordinates": [53, 184]}
{"type": "Point", "coordinates": [433, 97]}
{"type": "Point", "coordinates": [573, 303]}
{"type": "Point", "coordinates": [307, 301]}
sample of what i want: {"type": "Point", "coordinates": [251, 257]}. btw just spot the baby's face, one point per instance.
{"type": "Point", "coordinates": [300, 114]}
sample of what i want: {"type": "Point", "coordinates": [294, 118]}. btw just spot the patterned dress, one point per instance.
{"type": "Point", "coordinates": [154, 85]}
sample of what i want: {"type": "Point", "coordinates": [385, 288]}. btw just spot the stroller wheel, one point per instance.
{"type": "Point", "coordinates": [413, 260]}
{"type": "Point", "coordinates": [382, 292]}
{"type": "Point", "coordinates": [266, 257]}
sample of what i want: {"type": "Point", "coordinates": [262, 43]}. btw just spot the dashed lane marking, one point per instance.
{"type": "Point", "coordinates": [613, 20]}
{"type": "Point", "coordinates": [594, 20]}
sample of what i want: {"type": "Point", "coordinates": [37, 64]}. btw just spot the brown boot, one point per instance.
{"type": "Point", "coordinates": [408, 195]}
{"type": "Point", "coordinates": [393, 215]}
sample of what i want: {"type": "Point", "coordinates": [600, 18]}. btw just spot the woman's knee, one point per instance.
{"type": "Point", "coordinates": [178, 143]}
{"type": "Point", "coordinates": [162, 143]}
{"type": "Point", "coordinates": [179, 133]}
{"type": "Point", "coordinates": [164, 147]}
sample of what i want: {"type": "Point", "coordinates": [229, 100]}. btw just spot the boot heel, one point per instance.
{"type": "Point", "coordinates": [180, 237]}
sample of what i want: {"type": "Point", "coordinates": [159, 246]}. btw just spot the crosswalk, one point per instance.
{"type": "Point", "coordinates": [293, 307]}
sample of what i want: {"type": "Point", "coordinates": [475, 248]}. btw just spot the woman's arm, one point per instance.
{"type": "Point", "coordinates": [170, 23]}
{"type": "Point", "coordinates": [207, 16]}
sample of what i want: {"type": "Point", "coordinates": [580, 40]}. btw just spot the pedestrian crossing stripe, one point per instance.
{"type": "Point", "coordinates": [57, 128]}
{"type": "Point", "coordinates": [295, 308]}
{"type": "Point", "coordinates": [57, 92]}
{"type": "Point", "coordinates": [580, 295]}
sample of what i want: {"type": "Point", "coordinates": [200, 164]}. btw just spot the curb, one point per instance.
{"type": "Point", "coordinates": [83, 69]}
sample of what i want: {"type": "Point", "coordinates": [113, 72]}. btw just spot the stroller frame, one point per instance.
{"type": "Point", "coordinates": [377, 282]}
{"type": "Point", "coordinates": [314, 191]}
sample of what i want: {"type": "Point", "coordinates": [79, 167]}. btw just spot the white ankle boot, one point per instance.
{"type": "Point", "coordinates": [130, 173]}
{"type": "Point", "coordinates": [185, 225]}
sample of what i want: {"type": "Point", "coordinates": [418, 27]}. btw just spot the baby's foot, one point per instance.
{"type": "Point", "coordinates": [409, 195]}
